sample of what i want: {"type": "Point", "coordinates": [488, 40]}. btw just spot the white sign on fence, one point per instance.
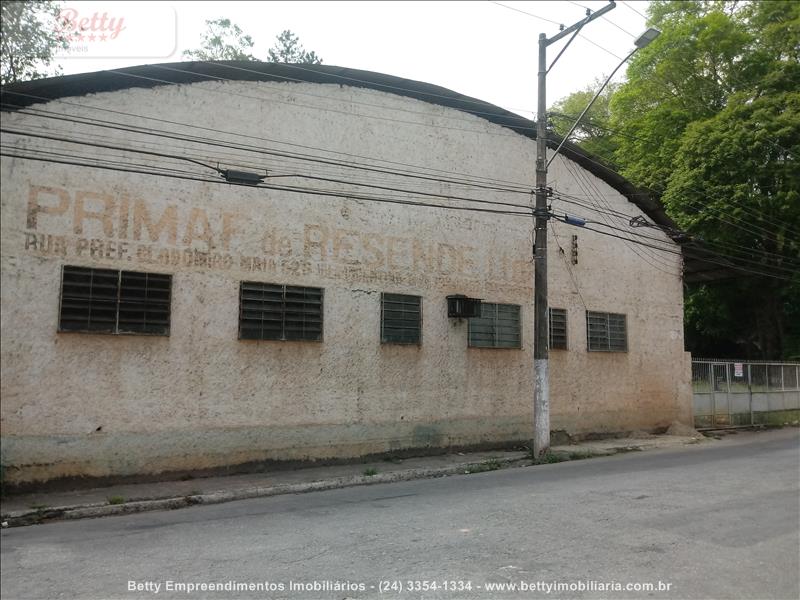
{"type": "Point", "coordinates": [738, 369]}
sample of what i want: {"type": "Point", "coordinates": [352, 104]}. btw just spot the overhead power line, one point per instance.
{"type": "Point", "coordinates": [294, 157]}
{"type": "Point", "coordinates": [580, 35]}
{"type": "Point", "coordinates": [325, 179]}
{"type": "Point", "coordinates": [349, 195]}
{"type": "Point", "coordinates": [414, 169]}
{"type": "Point", "coordinates": [261, 98]}
{"type": "Point", "coordinates": [349, 182]}
{"type": "Point", "coordinates": [285, 188]}
{"type": "Point", "coordinates": [747, 227]}
{"type": "Point", "coordinates": [266, 151]}
{"type": "Point", "coordinates": [628, 5]}
{"type": "Point", "coordinates": [745, 250]}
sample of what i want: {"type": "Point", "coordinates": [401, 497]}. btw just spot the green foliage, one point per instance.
{"type": "Point", "coordinates": [683, 76]}
{"type": "Point", "coordinates": [116, 500]}
{"type": "Point", "coordinates": [287, 49]}
{"type": "Point", "coordinates": [223, 40]}
{"type": "Point", "coordinates": [29, 40]}
{"type": "Point", "coordinates": [709, 121]}
{"type": "Point", "coordinates": [592, 133]}
{"type": "Point", "coordinates": [489, 465]}
{"type": "Point", "coordinates": [370, 472]}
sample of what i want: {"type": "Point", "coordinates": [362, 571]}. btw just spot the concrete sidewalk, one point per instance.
{"type": "Point", "coordinates": [27, 509]}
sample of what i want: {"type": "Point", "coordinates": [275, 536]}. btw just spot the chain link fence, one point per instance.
{"type": "Point", "coordinates": [733, 393]}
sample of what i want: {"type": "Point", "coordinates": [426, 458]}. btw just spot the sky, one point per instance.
{"type": "Point", "coordinates": [483, 49]}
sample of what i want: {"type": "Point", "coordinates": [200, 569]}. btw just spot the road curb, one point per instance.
{"type": "Point", "coordinates": [96, 510]}
{"type": "Point", "coordinates": [92, 511]}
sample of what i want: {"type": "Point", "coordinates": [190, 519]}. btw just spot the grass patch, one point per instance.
{"type": "Point", "coordinates": [370, 472]}
{"type": "Point", "coordinates": [38, 506]}
{"type": "Point", "coordinates": [489, 465]}
{"type": "Point", "coordinates": [116, 500]}
{"type": "Point", "coordinates": [549, 458]}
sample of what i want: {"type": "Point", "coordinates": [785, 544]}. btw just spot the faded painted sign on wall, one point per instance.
{"type": "Point", "coordinates": [89, 225]}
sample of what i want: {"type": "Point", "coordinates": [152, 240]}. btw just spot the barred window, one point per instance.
{"type": "Point", "coordinates": [116, 302]}
{"type": "Point", "coordinates": [606, 332]}
{"type": "Point", "coordinates": [497, 327]}
{"type": "Point", "coordinates": [558, 329]}
{"type": "Point", "coordinates": [401, 319]}
{"type": "Point", "coordinates": [269, 311]}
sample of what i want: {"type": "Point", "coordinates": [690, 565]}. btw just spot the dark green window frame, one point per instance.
{"type": "Point", "coordinates": [558, 328]}
{"type": "Point", "coordinates": [606, 332]}
{"type": "Point", "coordinates": [499, 326]}
{"type": "Point", "coordinates": [110, 301]}
{"type": "Point", "coordinates": [401, 319]}
{"type": "Point", "coordinates": [278, 312]}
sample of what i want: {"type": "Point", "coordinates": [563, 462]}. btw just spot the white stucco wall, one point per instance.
{"type": "Point", "coordinates": [99, 405]}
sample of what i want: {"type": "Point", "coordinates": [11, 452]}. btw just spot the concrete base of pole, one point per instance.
{"type": "Point", "coordinates": [541, 407]}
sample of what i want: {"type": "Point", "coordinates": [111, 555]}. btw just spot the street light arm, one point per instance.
{"type": "Point", "coordinates": [610, 6]}
{"type": "Point", "coordinates": [574, 35]}
{"type": "Point", "coordinates": [588, 106]}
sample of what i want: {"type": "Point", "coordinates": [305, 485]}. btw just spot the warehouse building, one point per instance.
{"type": "Point", "coordinates": [215, 265]}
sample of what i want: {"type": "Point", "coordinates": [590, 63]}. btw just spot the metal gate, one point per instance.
{"type": "Point", "coordinates": [732, 393]}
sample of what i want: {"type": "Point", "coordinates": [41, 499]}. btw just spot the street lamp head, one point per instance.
{"type": "Point", "coordinates": [647, 37]}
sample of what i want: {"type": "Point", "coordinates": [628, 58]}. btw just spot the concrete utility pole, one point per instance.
{"type": "Point", "coordinates": [541, 391]}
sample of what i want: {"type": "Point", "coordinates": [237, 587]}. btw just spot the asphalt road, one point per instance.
{"type": "Point", "coordinates": [717, 520]}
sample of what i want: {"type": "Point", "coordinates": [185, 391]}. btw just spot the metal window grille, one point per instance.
{"type": "Point", "coordinates": [558, 329]}
{"type": "Point", "coordinates": [401, 319]}
{"type": "Point", "coordinates": [606, 332]}
{"type": "Point", "coordinates": [497, 327]}
{"type": "Point", "coordinates": [116, 302]}
{"type": "Point", "coordinates": [269, 311]}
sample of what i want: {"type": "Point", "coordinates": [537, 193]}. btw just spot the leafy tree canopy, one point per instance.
{"type": "Point", "coordinates": [287, 49]}
{"type": "Point", "coordinates": [30, 37]}
{"type": "Point", "coordinates": [224, 40]}
{"type": "Point", "coordinates": [709, 121]}
{"type": "Point", "coordinates": [593, 132]}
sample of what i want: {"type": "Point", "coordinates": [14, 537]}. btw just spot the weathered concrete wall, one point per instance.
{"type": "Point", "coordinates": [99, 405]}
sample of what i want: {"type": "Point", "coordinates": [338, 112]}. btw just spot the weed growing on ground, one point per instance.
{"type": "Point", "coordinates": [116, 500]}
{"type": "Point", "coordinates": [370, 472]}
{"type": "Point", "coordinates": [548, 458]}
{"type": "Point", "coordinates": [489, 465]}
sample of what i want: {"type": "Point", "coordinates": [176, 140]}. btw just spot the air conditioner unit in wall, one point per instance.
{"type": "Point", "coordinates": [461, 307]}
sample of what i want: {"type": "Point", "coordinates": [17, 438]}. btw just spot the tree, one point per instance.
{"type": "Point", "coordinates": [30, 38]}
{"type": "Point", "coordinates": [593, 133]}
{"type": "Point", "coordinates": [709, 122]}
{"type": "Point", "coordinates": [738, 164]}
{"type": "Point", "coordinates": [287, 49]}
{"type": "Point", "coordinates": [223, 40]}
